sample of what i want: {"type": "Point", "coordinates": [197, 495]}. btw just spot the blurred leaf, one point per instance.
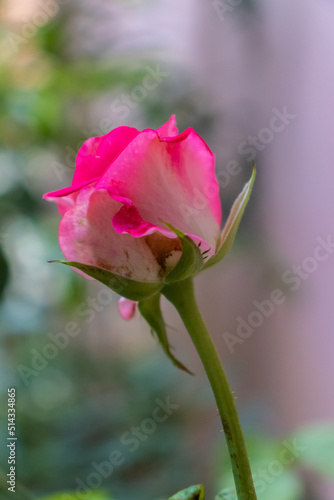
{"type": "Point", "coordinates": [51, 38]}
{"type": "Point", "coordinates": [18, 200]}
{"type": "Point", "coordinates": [75, 80]}
{"type": "Point", "coordinates": [273, 463]}
{"type": "Point", "coordinates": [4, 272]}
{"type": "Point", "coordinates": [192, 493]}
{"type": "Point", "coordinates": [284, 486]}
{"type": "Point", "coordinates": [316, 447]}
{"type": "Point", "coordinates": [151, 312]}
{"type": "Point", "coordinates": [227, 494]}
{"type": "Point", "coordinates": [68, 495]}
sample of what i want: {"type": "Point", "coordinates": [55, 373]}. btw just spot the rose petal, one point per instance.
{"type": "Point", "coordinates": [64, 203]}
{"type": "Point", "coordinates": [169, 129]}
{"type": "Point", "coordinates": [127, 308]}
{"type": "Point", "coordinates": [94, 157]}
{"type": "Point", "coordinates": [170, 180]}
{"type": "Point", "coordinates": [54, 195]}
{"type": "Point", "coordinates": [97, 153]}
{"type": "Point", "coordinates": [86, 235]}
{"type": "Point", "coordinates": [128, 220]}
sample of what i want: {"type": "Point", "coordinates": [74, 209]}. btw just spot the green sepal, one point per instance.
{"type": "Point", "coordinates": [232, 223]}
{"type": "Point", "coordinates": [192, 493]}
{"type": "Point", "coordinates": [130, 289]}
{"type": "Point", "coordinates": [191, 260]}
{"type": "Point", "coordinates": [151, 312]}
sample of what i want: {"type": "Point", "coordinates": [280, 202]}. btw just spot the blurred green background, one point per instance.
{"type": "Point", "coordinates": [68, 72]}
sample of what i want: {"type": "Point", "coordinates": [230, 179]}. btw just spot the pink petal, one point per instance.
{"type": "Point", "coordinates": [94, 157]}
{"type": "Point", "coordinates": [64, 203]}
{"type": "Point", "coordinates": [128, 220]}
{"type": "Point", "coordinates": [86, 235]}
{"type": "Point", "coordinates": [127, 308]}
{"type": "Point", "coordinates": [52, 195]}
{"type": "Point", "coordinates": [169, 129]}
{"type": "Point", "coordinates": [97, 153]}
{"type": "Point", "coordinates": [170, 180]}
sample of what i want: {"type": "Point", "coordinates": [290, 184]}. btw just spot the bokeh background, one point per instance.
{"type": "Point", "coordinates": [256, 80]}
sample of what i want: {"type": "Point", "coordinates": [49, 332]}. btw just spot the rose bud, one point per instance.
{"type": "Point", "coordinates": [143, 211]}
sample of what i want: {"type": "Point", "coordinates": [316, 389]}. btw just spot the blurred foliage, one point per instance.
{"type": "Point", "coordinates": [317, 448]}
{"type": "Point", "coordinates": [97, 495]}
{"type": "Point", "coordinates": [192, 493]}
{"type": "Point", "coordinates": [227, 494]}
{"type": "Point", "coordinates": [279, 466]}
{"type": "Point", "coordinates": [73, 414]}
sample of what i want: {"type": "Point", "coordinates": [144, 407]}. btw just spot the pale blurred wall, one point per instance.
{"type": "Point", "coordinates": [282, 56]}
{"type": "Point", "coordinates": [296, 204]}
{"type": "Point", "coordinates": [247, 63]}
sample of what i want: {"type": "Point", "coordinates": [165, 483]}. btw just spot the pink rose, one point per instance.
{"type": "Point", "coordinates": [143, 213]}
{"type": "Point", "coordinates": [125, 186]}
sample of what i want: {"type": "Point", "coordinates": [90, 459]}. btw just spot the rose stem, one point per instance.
{"type": "Point", "coordinates": [181, 295]}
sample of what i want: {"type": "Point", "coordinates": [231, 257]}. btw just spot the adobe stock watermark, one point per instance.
{"type": "Point", "coordinates": [250, 148]}
{"type": "Point", "coordinates": [278, 122]}
{"type": "Point", "coordinates": [46, 11]}
{"type": "Point", "coordinates": [129, 442]}
{"type": "Point", "coordinates": [223, 7]}
{"type": "Point", "coordinates": [292, 277]}
{"type": "Point", "coordinates": [86, 311]}
{"type": "Point", "coordinates": [263, 476]}
{"type": "Point", "coordinates": [121, 107]}
{"type": "Point", "coordinates": [288, 454]}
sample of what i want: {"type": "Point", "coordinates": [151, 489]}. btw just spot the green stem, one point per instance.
{"type": "Point", "coordinates": [181, 295]}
